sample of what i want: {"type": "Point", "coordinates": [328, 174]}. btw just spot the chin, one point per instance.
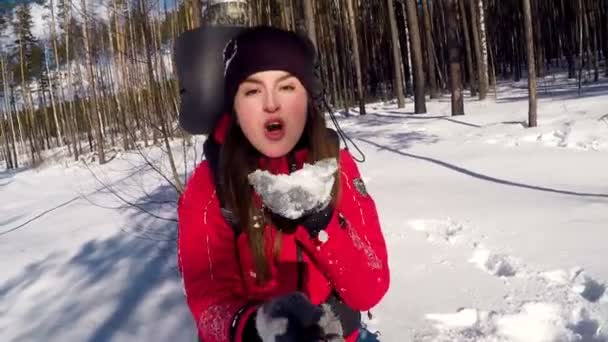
{"type": "Point", "coordinates": [276, 151]}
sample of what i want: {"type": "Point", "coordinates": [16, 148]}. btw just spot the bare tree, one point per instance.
{"type": "Point", "coordinates": [467, 46]}
{"type": "Point", "coordinates": [95, 113]}
{"type": "Point", "coordinates": [397, 79]}
{"type": "Point", "coordinates": [532, 117]}
{"type": "Point", "coordinates": [454, 58]}
{"type": "Point", "coordinates": [356, 56]}
{"type": "Point", "coordinates": [484, 45]}
{"type": "Point", "coordinates": [418, 65]}
{"type": "Point", "coordinates": [483, 90]}
{"type": "Point", "coordinates": [309, 17]}
{"type": "Point", "coordinates": [430, 50]}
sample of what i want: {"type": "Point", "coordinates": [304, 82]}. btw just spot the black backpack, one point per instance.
{"type": "Point", "coordinates": [199, 65]}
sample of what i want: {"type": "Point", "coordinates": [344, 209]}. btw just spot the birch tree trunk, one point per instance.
{"type": "Point", "coordinates": [484, 46]}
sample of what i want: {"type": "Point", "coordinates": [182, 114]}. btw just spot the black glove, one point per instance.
{"type": "Point", "coordinates": [314, 222]}
{"type": "Point", "coordinates": [317, 221]}
{"type": "Point", "coordinates": [293, 318]}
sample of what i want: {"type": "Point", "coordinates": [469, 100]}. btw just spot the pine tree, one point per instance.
{"type": "Point", "coordinates": [26, 41]}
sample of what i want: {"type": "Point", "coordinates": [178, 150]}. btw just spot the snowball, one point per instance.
{"type": "Point", "coordinates": [298, 193]}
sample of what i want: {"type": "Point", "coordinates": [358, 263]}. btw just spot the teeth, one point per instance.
{"type": "Point", "coordinates": [273, 126]}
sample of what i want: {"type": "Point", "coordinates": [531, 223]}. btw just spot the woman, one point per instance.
{"type": "Point", "coordinates": [250, 274]}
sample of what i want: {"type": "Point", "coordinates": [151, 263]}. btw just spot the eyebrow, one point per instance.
{"type": "Point", "coordinates": [257, 81]}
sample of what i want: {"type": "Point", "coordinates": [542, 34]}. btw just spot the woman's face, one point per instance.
{"type": "Point", "coordinates": [271, 108]}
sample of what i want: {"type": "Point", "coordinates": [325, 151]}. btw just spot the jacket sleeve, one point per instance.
{"type": "Point", "coordinates": [208, 263]}
{"type": "Point", "coordinates": [354, 256]}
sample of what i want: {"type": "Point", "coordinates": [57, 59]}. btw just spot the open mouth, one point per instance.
{"type": "Point", "coordinates": [274, 129]}
{"type": "Point", "coordinates": [274, 125]}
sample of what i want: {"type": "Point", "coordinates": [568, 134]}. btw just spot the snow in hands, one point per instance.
{"type": "Point", "coordinates": [299, 193]}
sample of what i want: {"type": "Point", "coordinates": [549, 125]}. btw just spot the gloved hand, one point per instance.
{"type": "Point", "coordinates": [317, 221]}
{"type": "Point", "coordinates": [293, 318]}
{"type": "Point", "coordinates": [314, 222]}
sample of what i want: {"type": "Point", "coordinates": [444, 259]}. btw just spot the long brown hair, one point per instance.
{"type": "Point", "coordinates": [238, 158]}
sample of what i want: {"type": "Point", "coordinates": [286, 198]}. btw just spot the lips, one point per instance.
{"type": "Point", "coordinates": [274, 129]}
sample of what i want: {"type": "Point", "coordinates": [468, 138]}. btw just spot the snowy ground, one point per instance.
{"type": "Point", "coordinates": [495, 232]}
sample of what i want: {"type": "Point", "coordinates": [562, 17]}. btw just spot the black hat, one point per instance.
{"type": "Point", "coordinates": [264, 48]}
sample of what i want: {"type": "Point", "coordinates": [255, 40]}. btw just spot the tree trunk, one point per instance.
{"type": "Point", "coordinates": [581, 10]}
{"type": "Point", "coordinates": [340, 44]}
{"type": "Point", "coordinates": [5, 117]}
{"type": "Point", "coordinates": [467, 45]}
{"type": "Point", "coordinates": [7, 150]}
{"type": "Point", "coordinates": [231, 12]}
{"type": "Point", "coordinates": [119, 79]}
{"type": "Point", "coordinates": [54, 108]}
{"type": "Point", "coordinates": [405, 49]}
{"type": "Point", "coordinates": [454, 58]}
{"type": "Point", "coordinates": [157, 107]}
{"type": "Point", "coordinates": [194, 14]}
{"type": "Point", "coordinates": [418, 65]}
{"type": "Point", "coordinates": [606, 39]}
{"type": "Point", "coordinates": [396, 56]}
{"type": "Point", "coordinates": [57, 112]}
{"type": "Point", "coordinates": [539, 46]}
{"type": "Point", "coordinates": [441, 61]}
{"type": "Point", "coordinates": [26, 95]}
{"type": "Point", "coordinates": [532, 119]}
{"type": "Point", "coordinates": [430, 50]}
{"type": "Point", "coordinates": [95, 114]}
{"type": "Point", "coordinates": [356, 55]}
{"type": "Point", "coordinates": [310, 21]}
{"type": "Point", "coordinates": [594, 43]}
{"type": "Point", "coordinates": [477, 48]}
{"type": "Point", "coordinates": [484, 46]}
{"type": "Point", "coordinates": [9, 115]}
{"type": "Point", "coordinates": [42, 105]}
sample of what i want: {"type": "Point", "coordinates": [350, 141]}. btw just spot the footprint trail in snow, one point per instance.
{"type": "Point", "coordinates": [544, 306]}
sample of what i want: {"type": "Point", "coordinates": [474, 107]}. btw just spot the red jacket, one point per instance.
{"type": "Point", "coordinates": [218, 270]}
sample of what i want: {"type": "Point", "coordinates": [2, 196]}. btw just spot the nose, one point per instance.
{"type": "Point", "coordinates": [271, 103]}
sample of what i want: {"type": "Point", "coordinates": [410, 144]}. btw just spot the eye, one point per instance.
{"type": "Point", "coordinates": [288, 87]}
{"type": "Point", "coordinates": [251, 92]}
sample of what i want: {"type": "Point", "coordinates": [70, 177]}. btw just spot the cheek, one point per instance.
{"type": "Point", "coordinates": [246, 117]}
{"type": "Point", "coordinates": [299, 110]}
